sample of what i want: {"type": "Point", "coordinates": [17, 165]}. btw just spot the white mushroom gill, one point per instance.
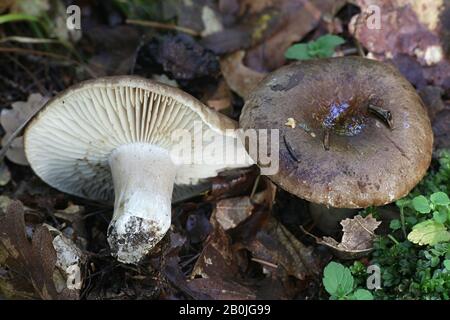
{"type": "Point", "coordinates": [110, 139]}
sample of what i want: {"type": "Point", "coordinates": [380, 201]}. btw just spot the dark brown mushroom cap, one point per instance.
{"type": "Point", "coordinates": [367, 163]}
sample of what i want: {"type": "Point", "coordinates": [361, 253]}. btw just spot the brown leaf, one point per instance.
{"type": "Point", "coordinates": [239, 77]}
{"type": "Point", "coordinates": [220, 99]}
{"type": "Point", "coordinates": [357, 238]}
{"type": "Point", "coordinates": [280, 25]}
{"type": "Point", "coordinates": [216, 271]}
{"type": "Point", "coordinates": [274, 245]}
{"type": "Point", "coordinates": [219, 289]}
{"type": "Point", "coordinates": [34, 261]}
{"type": "Point", "coordinates": [12, 119]}
{"type": "Point", "coordinates": [216, 258]}
{"type": "Point", "coordinates": [231, 212]}
{"type": "Point", "coordinates": [232, 183]}
{"type": "Point", "coordinates": [406, 28]}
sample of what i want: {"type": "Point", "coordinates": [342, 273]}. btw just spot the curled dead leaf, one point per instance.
{"type": "Point", "coordinates": [36, 261]}
{"type": "Point", "coordinates": [12, 120]}
{"type": "Point", "coordinates": [240, 78]}
{"type": "Point", "coordinates": [231, 212]}
{"type": "Point", "coordinates": [357, 239]}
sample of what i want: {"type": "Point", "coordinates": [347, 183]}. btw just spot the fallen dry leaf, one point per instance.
{"type": "Point", "coordinates": [232, 183]}
{"type": "Point", "coordinates": [220, 289]}
{"type": "Point", "coordinates": [217, 258]}
{"type": "Point", "coordinates": [274, 245]}
{"type": "Point", "coordinates": [231, 212]}
{"type": "Point", "coordinates": [240, 78]}
{"type": "Point", "coordinates": [405, 29]}
{"type": "Point", "coordinates": [357, 239]}
{"type": "Point", "coordinates": [12, 119]}
{"type": "Point", "coordinates": [220, 99]}
{"type": "Point", "coordinates": [281, 24]}
{"type": "Point", "coordinates": [34, 262]}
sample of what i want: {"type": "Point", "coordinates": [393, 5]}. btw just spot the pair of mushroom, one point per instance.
{"type": "Point", "coordinates": [362, 138]}
{"type": "Point", "coordinates": [116, 138]}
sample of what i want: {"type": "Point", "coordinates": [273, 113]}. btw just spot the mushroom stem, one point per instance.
{"type": "Point", "coordinates": [328, 219]}
{"type": "Point", "coordinates": [143, 177]}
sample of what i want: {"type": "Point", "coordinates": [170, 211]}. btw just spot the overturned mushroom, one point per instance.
{"type": "Point", "coordinates": [114, 138]}
{"type": "Point", "coordinates": [363, 137]}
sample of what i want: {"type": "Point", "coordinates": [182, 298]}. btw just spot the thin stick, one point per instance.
{"type": "Point", "coordinates": [255, 186]}
{"type": "Point", "coordinates": [266, 263]}
{"type": "Point", "coordinates": [310, 234]}
{"type": "Point", "coordinates": [159, 25]}
{"type": "Point", "coordinates": [28, 40]}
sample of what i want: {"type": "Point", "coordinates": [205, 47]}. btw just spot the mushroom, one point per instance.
{"type": "Point", "coordinates": [362, 136]}
{"type": "Point", "coordinates": [114, 138]}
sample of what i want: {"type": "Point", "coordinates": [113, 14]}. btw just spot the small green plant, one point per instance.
{"type": "Point", "coordinates": [414, 258]}
{"type": "Point", "coordinates": [340, 284]}
{"type": "Point", "coordinates": [434, 216]}
{"type": "Point", "coordinates": [323, 47]}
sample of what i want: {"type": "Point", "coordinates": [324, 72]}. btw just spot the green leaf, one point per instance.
{"type": "Point", "coordinates": [395, 224]}
{"type": "Point", "coordinates": [329, 41]}
{"type": "Point", "coordinates": [447, 264]}
{"type": "Point", "coordinates": [440, 198]}
{"type": "Point", "coordinates": [362, 294]}
{"type": "Point", "coordinates": [16, 17]}
{"type": "Point", "coordinates": [440, 216]}
{"type": "Point", "coordinates": [298, 52]}
{"type": "Point", "coordinates": [411, 220]}
{"type": "Point", "coordinates": [402, 202]}
{"type": "Point", "coordinates": [421, 204]}
{"type": "Point", "coordinates": [429, 232]}
{"type": "Point", "coordinates": [323, 47]}
{"type": "Point", "coordinates": [337, 280]}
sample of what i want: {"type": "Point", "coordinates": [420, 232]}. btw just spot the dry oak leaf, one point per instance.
{"type": "Point", "coordinates": [357, 239]}
{"type": "Point", "coordinates": [240, 78]}
{"type": "Point", "coordinates": [12, 119]}
{"type": "Point", "coordinates": [34, 262]}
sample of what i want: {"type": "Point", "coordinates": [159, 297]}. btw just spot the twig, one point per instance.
{"type": "Point", "coordinates": [266, 263]}
{"type": "Point", "coordinates": [159, 25]}
{"type": "Point", "coordinates": [28, 40]}
{"type": "Point", "coordinates": [310, 234]}
{"type": "Point", "coordinates": [255, 187]}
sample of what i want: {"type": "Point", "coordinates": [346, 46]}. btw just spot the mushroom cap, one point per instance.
{"type": "Point", "coordinates": [367, 163]}
{"type": "Point", "coordinates": [69, 142]}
